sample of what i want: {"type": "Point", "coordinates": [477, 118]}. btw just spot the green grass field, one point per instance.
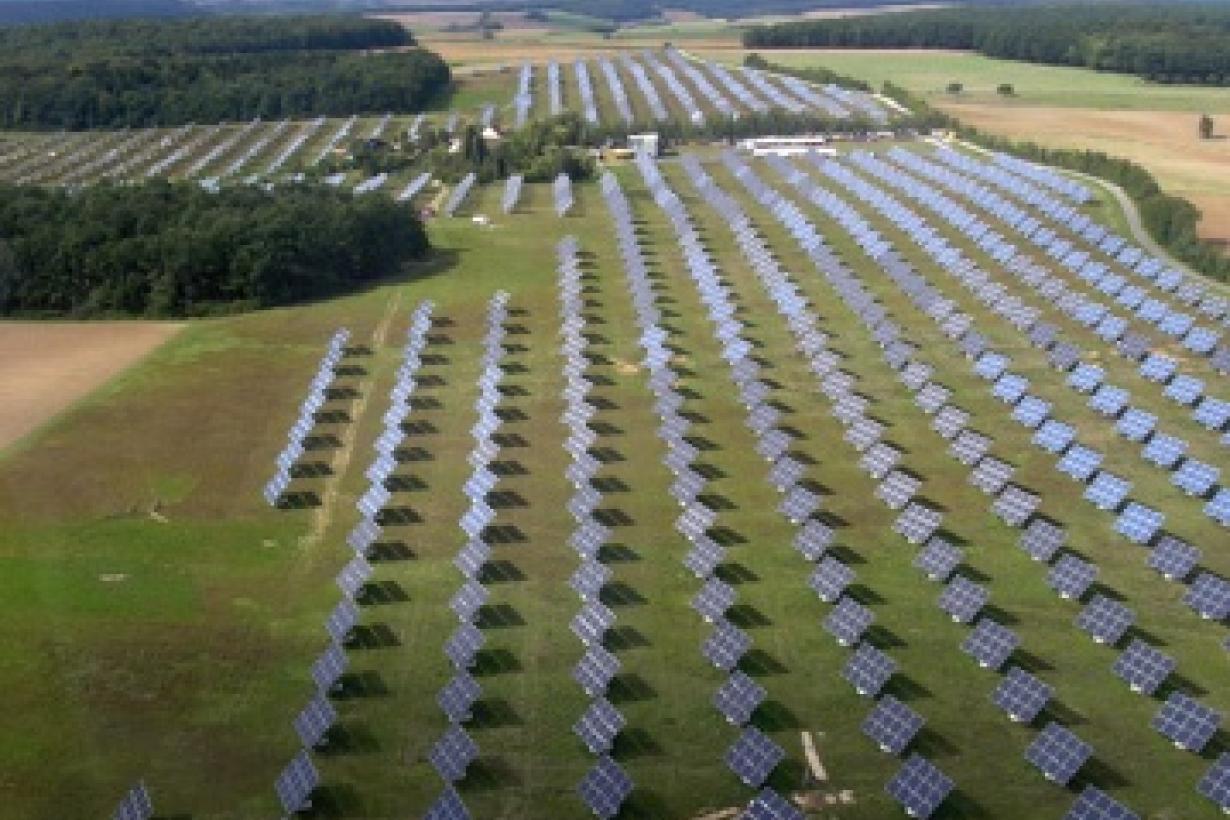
{"type": "Point", "coordinates": [929, 72]}
{"type": "Point", "coordinates": [162, 620]}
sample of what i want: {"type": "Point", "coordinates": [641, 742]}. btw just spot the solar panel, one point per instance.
{"type": "Point", "coordinates": [136, 805]}
{"type": "Point", "coordinates": [991, 475]}
{"type": "Point", "coordinates": [453, 753]}
{"type": "Point", "coordinates": [813, 538]}
{"type": "Point", "coordinates": [599, 725]}
{"type": "Point", "coordinates": [328, 668]}
{"type": "Point", "coordinates": [592, 622]}
{"type": "Point", "coordinates": [1139, 524]}
{"type": "Point", "coordinates": [950, 421]}
{"type": "Point", "coordinates": [1218, 507]}
{"type": "Point", "coordinates": [1031, 412]}
{"type": "Point", "coordinates": [1136, 424]}
{"type": "Point", "coordinates": [962, 599]}
{"type": "Point", "coordinates": [990, 643]}
{"type": "Point", "coordinates": [769, 805]}
{"type": "Point", "coordinates": [713, 599]}
{"type": "Point", "coordinates": [1079, 462]}
{"type": "Point", "coordinates": [1086, 377]}
{"type": "Point", "coordinates": [1173, 558]}
{"type": "Point", "coordinates": [932, 397]}
{"type": "Point", "coordinates": [1054, 436]}
{"type": "Point", "coordinates": [726, 645]}
{"type": "Point", "coordinates": [605, 787]}
{"type": "Point", "coordinates": [1010, 388]}
{"type": "Point", "coordinates": [1015, 505]}
{"type": "Point", "coordinates": [847, 621]}
{"type": "Point", "coordinates": [919, 786]}
{"type": "Point", "coordinates": [1209, 596]}
{"type": "Point", "coordinates": [313, 723]}
{"type": "Point", "coordinates": [1058, 753]}
{"type": "Point", "coordinates": [938, 559]}
{"type": "Point", "coordinates": [753, 757]}
{"type": "Point", "coordinates": [448, 806]}
{"type": "Point", "coordinates": [295, 783]}
{"type": "Point", "coordinates": [897, 489]}
{"type": "Point", "coordinates": [1105, 620]}
{"type": "Point", "coordinates": [1158, 368]}
{"type": "Point", "coordinates": [463, 645]}
{"type": "Point", "coordinates": [1186, 390]}
{"type": "Point", "coordinates": [879, 459]}
{"type": "Point", "coordinates": [1109, 400]}
{"type": "Point", "coordinates": [917, 522]}
{"type": "Point", "coordinates": [738, 697]}
{"type": "Point", "coordinates": [589, 579]}
{"type": "Point", "coordinates": [457, 697]}
{"type": "Point", "coordinates": [1042, 539]}
{"type": "Point", "coordinates": [1107, 491]}
{"type": "Point", "coordinates": [1021, 695]}
{"type": "Point", "coordinates": [830, 579]}
{"type": "Point", "coordinates": [891, 725]}
{"type": "Point", "coordinates": [342, 619]}
{"type": "Point", "coordinates": [1213, 414]}
{"type": "Point", "coordinates": [1186, 722]}
{"type": "Point", "coordinates": [1095, 804]}
{"type": "Point", "coordinates": [969, 447]}
{"type": "Point", "coordinates": [1064, 356]}
{"type": "Point", "coordinates": [1071, 577]}
{"type": "Point", "coordinates": [1215, 784]}
{"type": "Point", "coordinates": [1195, 478]}
{"type": "Point", "coordinates": [868, 670]}
{"type": "Point", "coordinates": [595, 670]}
{"type": "Point", "coordinates": [1143, 667]}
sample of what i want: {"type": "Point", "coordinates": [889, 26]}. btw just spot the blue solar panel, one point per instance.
{"type": "Point", "coordinates": [1158, 368]}
{"type": "Point", "coordinates": [1086, 377]}
{"type": "Point", "coordinates": [919, 786]}
{"type": "Point", "coordinates": [1185, 390]}
{"type": "Point", "coordinates": [1188, 723]}
{"type": "Point", "coordinates": [1143, 667]}
{"type": "Point", "coordinates": [1195, 477]}
{"type": "Point", "coordinates": [1212, 413]}
{"type": "Point", "coordinates": [1215, 784]}
{"type": "Point", "coordinates": [1095, 804]}
{"type": "Point", "coordinates": [1109, 400]}
{"type": "Point", "coordinates": [1209, 596]}
{"type": "Point", "coordinates": [1107, 491]}
{"type": "Point", "coordinates": [1139, 524]}
{"type": "Point", "coordinates": [1031, 412]}
{"type": "Point", "coordinates": [1218, 507]}
{"type": "Point", "coordinates": [1021, 695]}
{"type": "Point", "coordinates": [1058, 753]}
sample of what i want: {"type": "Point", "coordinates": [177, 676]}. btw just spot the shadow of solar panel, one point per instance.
{"type": "Point", "coordinates": [1058, 753]}
{"type": "Point", "coordinates": [1143, 667]}
{"type": "Point", "coordinates": [1021, 695]}
{"type": "Point", "coordinates": [990, 643]}
{"type": "Point", "coordinates": [448, 806]}
{"type": "Point", "coordinates": [847, 621]}
{"type": "Point", "coordinates": [1209, 596]}
{"type": "Point", "coordinates": [295, 783]}
{"type": "Point", "coordinates": [1186, 722]}
{"type": "Point", "coordinates": [453, 753]}
{"type": "Point", "coordinates": [136, 805]}
{"type": "Point", "coordinates": [868, 670]}
{"type": "Point", "coordinates": [1071, 577]}
{"type": "Point", "coordinates": [962, 599]}
{"type": "Point", "coordinates": [753, 757]}
{"type": "Point", "coordinates": [314, 722]}
{"type": "Point", "coordinates": [938, 559]}
{"type": "Point", "coordinates": [599, 725]}
{"type": "Point", "coordinates": [919, 786]}
{"type": "Point", "coordinates": [891, 725]}
{"type": "Point", "coordinates": [738, 697]}
{"type": "Point", "coordinates": [1215, 784]}
{"type": "Point", "coordinates": [1094, 804]}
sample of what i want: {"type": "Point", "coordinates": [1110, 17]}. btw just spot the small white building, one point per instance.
{"type": "Point", "coordinates": [648, 142]}
{"type": "Point", "coordinates": [787, 146]}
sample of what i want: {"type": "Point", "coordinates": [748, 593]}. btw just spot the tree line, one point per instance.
{"type": "Point", "coordinates": [173, 249]}
{"type": "Point", "coordinates": [1172, 42]}
{"type": "Point", "coordinates": [144, 73]}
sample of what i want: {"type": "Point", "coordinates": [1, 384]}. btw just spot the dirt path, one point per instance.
{"type": "Point", "coordinates": [323, 517]}
{"type": "Point", "coordinates": [45, 367]}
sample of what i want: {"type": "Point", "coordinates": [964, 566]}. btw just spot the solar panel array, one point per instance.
{"type": "Point", "coordinates": [306, 420]}
{"type": "Point", "coordinates": [135, 805]}
{"type": "Point", "coordinates": [459, 193]}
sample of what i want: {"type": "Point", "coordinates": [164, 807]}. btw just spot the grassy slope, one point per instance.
{"type": "Point", "coordinates": [189, 671]}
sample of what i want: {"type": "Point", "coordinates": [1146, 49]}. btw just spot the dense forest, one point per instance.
{"type": "Point", "coordinates": [1174, 42]}
{"type": "Point", "coordinates": [166, 249]}
{"type": "Point", "coordinates": [138, 73]}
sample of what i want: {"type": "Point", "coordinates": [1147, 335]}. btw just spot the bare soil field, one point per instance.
{"type": "Point", "coordinates": [1165, 142]}
{"type": "Point", "coordinates": [46, 366]}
